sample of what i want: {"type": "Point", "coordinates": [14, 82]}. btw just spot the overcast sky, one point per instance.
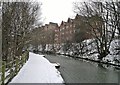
{"type": "Point", "coordinates": [57, 10]}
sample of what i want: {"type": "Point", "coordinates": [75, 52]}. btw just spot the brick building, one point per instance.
{"type": "Point", "coordinates": [48, 33]}
{"type": "Point", "coordinates": [53, 34]}
{"type": "Point", "coordinates": [66, 32]}
{"type": "Point", "coordinates": [82, 30]}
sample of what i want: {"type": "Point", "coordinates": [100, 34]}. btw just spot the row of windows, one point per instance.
{"type": "Point", "coordinates": [64, 28]}
{"type": "Point", "coordinates": [67, 32]}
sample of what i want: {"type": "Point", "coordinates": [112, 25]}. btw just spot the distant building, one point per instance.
{"type": "Point", "coordinates": [48, 33]}
{"type": "Point", "coordinates": [67, 31]}
{"type": "Point", "coordinates": [82, 28]}
{"type": "Point", "coordinates": [53, 34]}
{"type": "Point", "coordinates": [57, 36]}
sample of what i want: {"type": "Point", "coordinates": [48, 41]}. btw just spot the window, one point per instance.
{"type": "Point", "coordinates": [73, 25]}
{"type": "Point", "coordinates": [66, 26]}
{"type": "Point", "coordinates": [56, 38]}
{"type": "Point", "coordinates": [56, 35]}
{"type": "Point", "coordinates": [74, 31]}
{"type": "Point", "coordinates": [60, 30]}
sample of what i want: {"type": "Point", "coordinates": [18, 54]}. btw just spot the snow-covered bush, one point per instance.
{"type": "Point", "coordinates": [114, 56]}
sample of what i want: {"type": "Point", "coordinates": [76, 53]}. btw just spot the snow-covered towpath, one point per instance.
{"type": "Point", "coordinates": [37, 70]}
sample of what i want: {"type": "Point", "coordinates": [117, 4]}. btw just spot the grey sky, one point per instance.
{"type": "Point", "coordinates": [57, 10]}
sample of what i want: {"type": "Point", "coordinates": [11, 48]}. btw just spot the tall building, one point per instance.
{"type": "Point", "coordinates": [67, 30]}
{"type": "Point", "coordinates": [47, 33]}
{"type": "Point", "coordinates": [53, 34]}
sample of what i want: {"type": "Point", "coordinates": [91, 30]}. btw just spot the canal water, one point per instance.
{"type": "Point", "coordinates": [81, 71]}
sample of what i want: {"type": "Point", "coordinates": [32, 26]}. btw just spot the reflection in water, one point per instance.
{"type": "Point", "coordinates": [81, 71]}
{"type": "Point", "coordinates": [106, 73]}
{"type": "Point", "coordinates": [102, 66]}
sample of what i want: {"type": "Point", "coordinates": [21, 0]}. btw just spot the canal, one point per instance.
{"type": "Point", "coordinates": [80, 71]}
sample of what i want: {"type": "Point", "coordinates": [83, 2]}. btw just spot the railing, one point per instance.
{"type": "Point", "coordinates": [10, 70]}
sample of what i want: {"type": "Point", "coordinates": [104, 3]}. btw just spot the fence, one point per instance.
{"type": "Point", "coordinates": [9, 70]}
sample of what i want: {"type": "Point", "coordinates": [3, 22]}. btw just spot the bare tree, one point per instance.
{"type": "Point", "coordinates": [81, 34]}
{"type": "Point", "coordinates": [18, 21]}
{"type": "Point", "coordinates": [101, 19]}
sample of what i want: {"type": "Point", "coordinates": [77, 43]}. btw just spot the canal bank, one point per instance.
{"type": "Point", "coordinates": [97, 61]}
{"type": "Point", "coordinates": [116, 66]}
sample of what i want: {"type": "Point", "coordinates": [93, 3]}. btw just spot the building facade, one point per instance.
{"type": "Point", "coordinates": [53, 34]}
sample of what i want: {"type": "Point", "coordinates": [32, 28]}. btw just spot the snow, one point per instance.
{"type": "Point", "coordinates": [89, 50]}
{"type": "Point", "coordinates": [38, 70]}
{"type": "Point", "coordinates": [114, 56]}
{"type": "Point", "coordinates": [114, 45]}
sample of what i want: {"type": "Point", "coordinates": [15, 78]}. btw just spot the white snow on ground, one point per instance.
{"type": "Point", "coordinates": [90, 51]}
{"type": "Point", "coordinates": [38, 70]}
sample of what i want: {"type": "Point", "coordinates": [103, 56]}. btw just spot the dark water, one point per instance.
{"type": "Point", "coordinates": [79, 71]}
